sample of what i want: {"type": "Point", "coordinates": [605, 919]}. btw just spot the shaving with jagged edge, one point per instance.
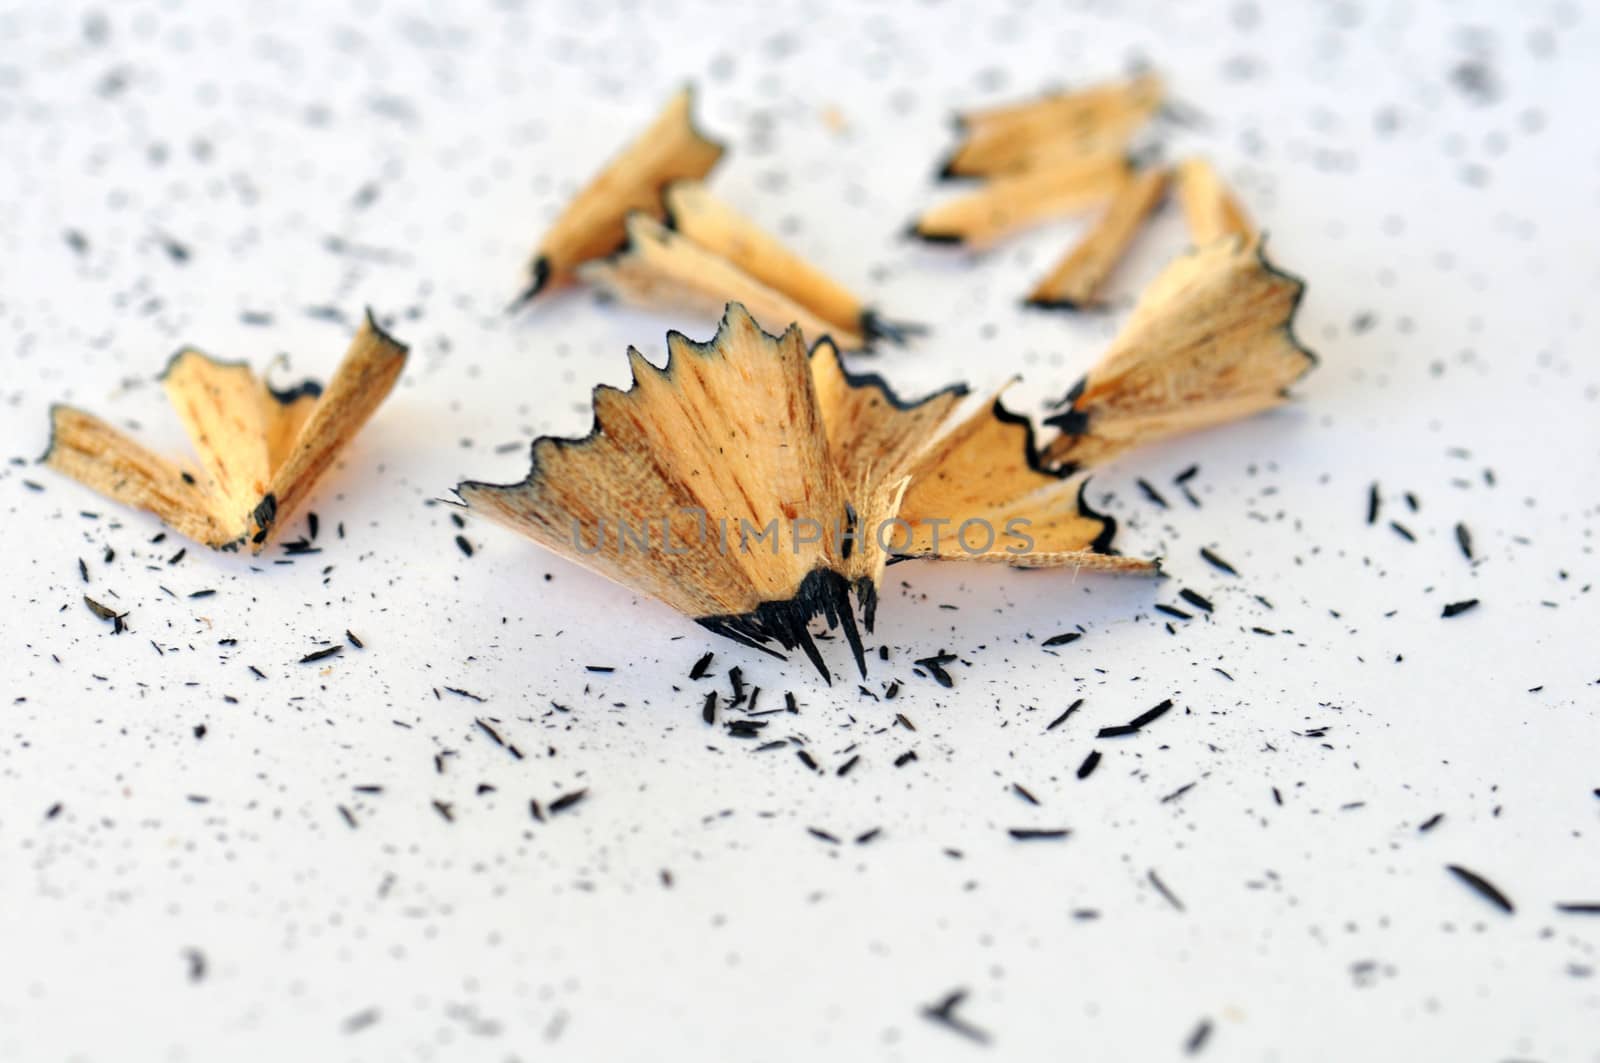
{"type": "Point", "coordinates": [261, 450]}
{"type": "Point", "coordinates": [750, 429]}
{"type": "Point", "coordinates": [1211, 340]}
{"type": "Point", "coordinates": [648, 232]}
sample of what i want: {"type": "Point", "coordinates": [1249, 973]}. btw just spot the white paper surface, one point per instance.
{"type": "Point", "coordinates": [1429, 169]}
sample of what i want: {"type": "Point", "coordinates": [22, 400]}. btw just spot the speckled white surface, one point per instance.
{"type": "Point", "coordinates": [1432, 170]}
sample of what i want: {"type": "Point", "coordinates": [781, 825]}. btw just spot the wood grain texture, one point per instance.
{"type": "Point", "coordinates": [1211, 340]}
{"type": "Point", "coordinates": [594, 223]}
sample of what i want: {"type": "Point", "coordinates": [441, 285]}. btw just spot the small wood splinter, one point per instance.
{"type": "Point", "coordinates": [663, 269]}
{"type": "Point", "coordinates": [756, 487]}
{"type": "Point", "coordinates": [1008, 204]}
{"type": "Point", "coordinates": [694, 212]}
{"type": "Point", "coordinates": [1014, 138]}
{"type": "Point", "coordinates": [261, 450]}
{"type": "Point", "coordinates": [1076, 281]}
{"type": "Point", "coordinates": [1209, 208]}
{"type": "Point", "coordinates": [593, 225]}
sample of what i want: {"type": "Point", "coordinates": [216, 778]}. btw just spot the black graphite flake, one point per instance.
{"type": "Point", "coordinates": [866, 836]}
{"type": "Point", "coordinates": [1179, 792]}
{"type": "Point", "coordinates": [1150, 715]}
{"type": "Point", "coordinates": [83, 570]}
{"type": "Point", "coordinates": [1464, 540]}
{"type": "Point", "coordinates": [197, 964]}
{"type": "Point", "coordinates": [444, 810]}
{"type": "Point", "coordinates": [935, 667]}
{"type": "Point", "coordinates": [1196, 599]}
{"type": "Point", "coordinates": [1022, 792]}
{"type": "Point", "coordinates": [822, 835]}
{"type": "Point", "coordinates": [535, 809]}
{"type": "Point", "coordinates": [1402, 531]}
{"type": "Point", "coordinates": [1457, 608]}
{"type": "Point", "coordinates": [1374, 503]}
{"type": "Point", "coordinates": [175, 558]}
{"type": "Point", "coordinates": [905, 758]}
{"type": "Point", "coordinates": [1091, 762]}
{"type": "Point", "coordinates": [1431, 822]}
{"type": "Point", "coordinates": [599, 669]}
{"type": "Point", "coordinates": [1197, 1040]}
{"type": "Point", "coordinates": [844, 769]}
{"type": "Point", "coordinates": [1133, 726]}
{"type": "Point", "coordinates": [464, 546]}
{"type": "Point", "coordinates": [469, 695]}
{"type": "Point", "coordinates": [1186, 475]}
{"type": "Point", "coordinates": [1173, 611]}
{"type": "Point", "coordinates": [348, 816]}
{"type": "Point", "coordinates": [566, 801]}
{"type": "Point", "coordinates": [1579, 907]}
{"type": "Point", "coordinates": [331, 651]}
{"type": "Point", "coordinates": [490, 731]}
{"type": "Point", "coordinates": [745, 728]}
{"type": "Point", "coordinates": [258, 673]}
{"type": "Point", "coordinates": [1059, 720]}
{"type": "Point", "coordinates": [1038, 834]}
{"type": "Point", "coordinates": [1062, 640]}
{"type": "Point", "coordinates": [807, 759]}
{"type": "Point", "coordinates": [357, 643]}
{"type": "Point", "coordinates": [1216, 562]}
{"type": "Point", "coordinates": [1161, 888]}
{"type": "Point", "coordinates": [708, 711]}
{"type": "Point", "coordinates": [1483, 886]}
{"type": "Point", "coordinates": [944, 1013]}
{"type": "Point", "coordinates": [208, 592]}
{"type": "Point", "coordinates": [1151, 493]}
{"type": "Point", "coordinates": [904, 721]}
{"type": "Point", "coordinates": [105, 612]}
{"type": "Point", "coordinates": [701, 666]}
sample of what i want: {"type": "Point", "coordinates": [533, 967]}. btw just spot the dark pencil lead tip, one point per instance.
{"type": "Point", "coordinates": [874, 327]}
{"type": "Point", "coordinates": [541, 277]}
{"type": "Point", "coordinates": [1070, 305]}
{"type": "Point", "coordinates": [917, 232]}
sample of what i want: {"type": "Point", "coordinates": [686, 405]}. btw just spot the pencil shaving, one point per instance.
{"type": "Point", "coordinates": [1056, 128]}
{"type": "Point", "coordinates": [594, 223]}
{"type": "Point", "coordinates": [748, 433]}
{"type": "Point", "coordinates": [646, 231]}
{"type": "Point", "coordinates": [717, 227]}
{"type": "Point", "coordinates": [260, 450]}
{"type": "Point", "coordinates": [1076, 281]}
{"type": "Point", "coordinates": [1006, 205]}
{"type": "Point", "coordinates": [1209, 209]}
{"type": "Point", "coordinates": [663, 269]}
{"type": "Point", "coordinates": [1211, 340]}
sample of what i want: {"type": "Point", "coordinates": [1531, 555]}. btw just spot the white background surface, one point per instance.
{"type": "Point", "coordinates": [1448, 237]}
